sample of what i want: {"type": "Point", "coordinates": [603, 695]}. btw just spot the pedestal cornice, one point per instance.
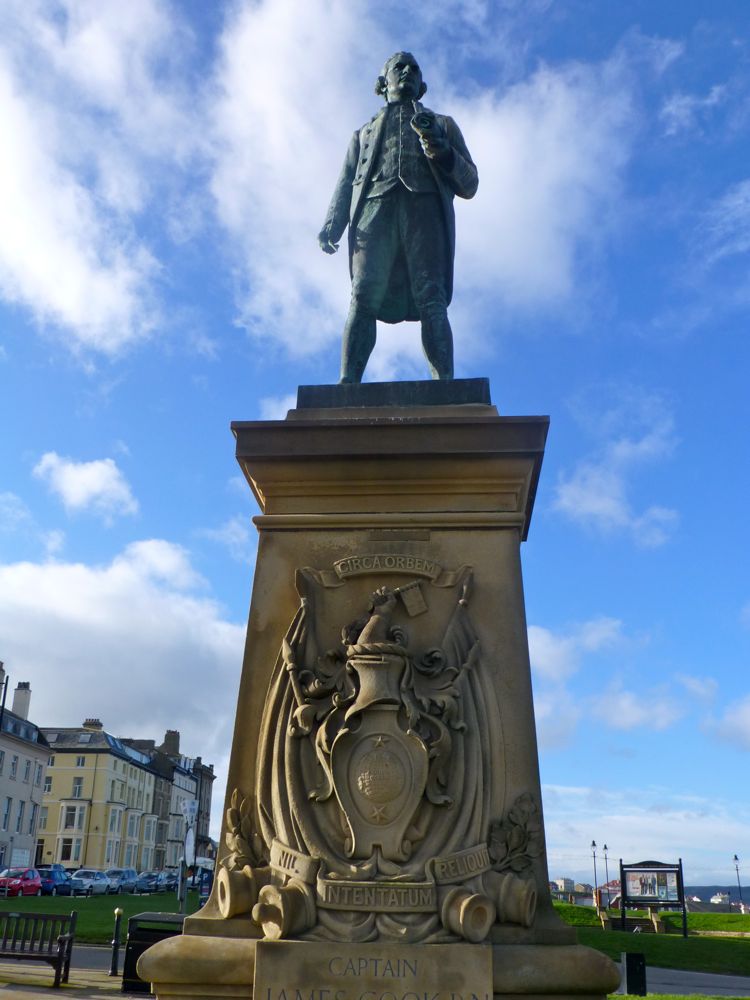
{"type": "Point", "coordinates": [449, 465]}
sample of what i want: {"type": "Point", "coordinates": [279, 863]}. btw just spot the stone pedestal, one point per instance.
{"type": "Point", "coordinates": [384, 785]}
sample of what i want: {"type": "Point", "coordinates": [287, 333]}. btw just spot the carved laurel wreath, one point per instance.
{"type": "Point", "coordinates": [516, 840]}
{"type": "Point", "coordinates": [243, 840]}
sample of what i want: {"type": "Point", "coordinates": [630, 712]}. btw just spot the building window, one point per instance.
{"type": "Point", "coordinates": [19, 818]}
{"type": "Point", "coordinates": [43, 818]}
{"type": "Point", "coordinates": [13, 766]}
{"type": "Point", "coordinates": [2, 760]}
{"type": "Point", "coordinates": [77, 788]}
{"type": "Point", "coordinates": [6, 812]}
{"type": "Point", "coordinates": [51, 761]}
{"type": "Point", "coordinates": [32, 817]}
{"type": "Point", "coordinates": [38, 775]}
{"type": "Point", "coordinates": [27, 771]}
{"type": "Point", "coordinates": [47, 784]}
{"type": "Point", "coordinates": [70, 849]}
{"type": "Point", "coordinates": [69, 817]}
{"type": "Point", "coordinates": [80, 761]}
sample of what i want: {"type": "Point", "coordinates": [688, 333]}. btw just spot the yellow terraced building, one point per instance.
{"type": "Point", "coordinates": [98, 808]}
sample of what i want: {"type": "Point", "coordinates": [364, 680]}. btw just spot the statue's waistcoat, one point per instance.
{"type": "Point", "coordinates": [399, 157]}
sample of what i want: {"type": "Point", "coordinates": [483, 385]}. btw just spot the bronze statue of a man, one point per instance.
{"type": "Point", "coordinates": [396, 189]}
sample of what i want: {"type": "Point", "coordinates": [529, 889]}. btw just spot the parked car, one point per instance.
{"type": "Point", "coordinates": [89, 882]}
{"type": "Point", "coordinates": [45, 867]}
{"type": "Point", "coordinates": [20, 882]}
{"type": "Point", "coordinates": [151, 882]}
{"type": "Point", "coordinates": [171, 879]}
{"type": "Point", "coordinates": [55, 882]}
{"type": "Point", "coordinates": [121, 879]}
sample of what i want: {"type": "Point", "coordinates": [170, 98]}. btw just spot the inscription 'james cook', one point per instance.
{"type": "Point", "coordinates": [362, 966]}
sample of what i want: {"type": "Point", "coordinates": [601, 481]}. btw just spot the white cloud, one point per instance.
{"type": "Point", "coordinates": [726, 229]}
{"type": "Point", "coordinates": [734, 725]}
{"type": "Point", "coordinates": [88, 94]}
{"type": "Point", "coordinates": [551, 152]}
{"type": "Point", "coordinates": [276, 407]}
{"type": "Point", "coordinates": [98, 485]}
{"type": "Point", "coordinates": [14, 513]}
{"type": "Point", "coordinates": [555, 656]}
{"type": "Point", "coordinates": [557, 713]}
{"type": "Point", "coordinates": [135, 644]}
{"type": "Point", "coordinates": [17, 519]}
{"type": "Point", "coordinates": [637, 823]}
{"type": "Point", "coordinates": [596, 492]}
{"type": "Point", "coordinates": [622, 709]}
{"type": "Point", "coordinates": [702, 688]}
{"type": "Point", "coordinates": [685, 112]}
{"type": "Point", "coordinates": [237, 536]}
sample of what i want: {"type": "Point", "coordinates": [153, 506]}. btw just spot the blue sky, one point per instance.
{"type": "Point", "coordinates": [165, 170]}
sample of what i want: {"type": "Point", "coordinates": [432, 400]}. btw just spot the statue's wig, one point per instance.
{"type": "Point", "coordinates": [381, 87]}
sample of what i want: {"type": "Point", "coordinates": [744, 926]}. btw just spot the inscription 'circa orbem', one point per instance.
{"type": "Point", "coordinates": [372, 816]}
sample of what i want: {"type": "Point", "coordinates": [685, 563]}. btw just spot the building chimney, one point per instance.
{"type": "Point", "coordinates": [93, 724]}
{"type": "Point", "coordinates": [171, 744]}
{"type": "Point", "coordinates": [22, 699]}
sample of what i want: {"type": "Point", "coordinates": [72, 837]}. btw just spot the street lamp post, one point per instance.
{"type": "Point", "coordinates": [596, 898]}
{"type": "Point", "coordinates": [606, 873]}
{"type": "Point", "coordinates": [737, 869]}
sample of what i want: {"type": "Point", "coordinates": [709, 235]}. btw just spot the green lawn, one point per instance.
{"type": "Point", "coordinates": [730, 956]}
{"type": "Point", "coordinates": [727, 922]}
{"type": "Point", "coordinates": [96, 913]}
{"type": "Point", "coordinates": [585, 916]}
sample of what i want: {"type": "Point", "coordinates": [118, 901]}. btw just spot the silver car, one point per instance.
{"type": "Point", "coordinates": [121, 879]}
{"type": "Point", "coordinates": [89, 882]}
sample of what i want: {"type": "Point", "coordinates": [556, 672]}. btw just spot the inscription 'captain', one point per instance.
{"type": "Point", "coordinates": [395, 968]}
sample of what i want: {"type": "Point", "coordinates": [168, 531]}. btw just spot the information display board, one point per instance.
{"type": "Point", "coordinates": [652, 884]}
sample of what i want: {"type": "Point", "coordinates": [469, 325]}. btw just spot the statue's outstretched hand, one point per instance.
{"type": "Point", "coordinates": [325, 243]}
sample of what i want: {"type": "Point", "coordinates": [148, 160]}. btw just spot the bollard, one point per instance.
{"type": "Point", "coordinates": [115, 942]}
{"type": "Point", "coordinates": [634, 964]}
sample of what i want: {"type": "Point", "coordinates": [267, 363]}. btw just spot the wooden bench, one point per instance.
{"type": "Point", "coordinates": [39, 937]}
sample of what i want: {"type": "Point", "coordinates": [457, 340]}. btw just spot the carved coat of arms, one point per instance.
{"type": "Point", "coordinates": [372, 815]}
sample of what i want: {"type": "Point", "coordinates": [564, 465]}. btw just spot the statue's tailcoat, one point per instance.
{"type": "Point", "coordinates": [351, 192]}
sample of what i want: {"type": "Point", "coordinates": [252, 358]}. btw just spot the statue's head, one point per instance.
{"type": "Point", "coordinates": [401, 79]}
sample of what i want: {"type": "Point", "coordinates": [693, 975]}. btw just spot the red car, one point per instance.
{"type": "Point", "coordinates": [20, 882]}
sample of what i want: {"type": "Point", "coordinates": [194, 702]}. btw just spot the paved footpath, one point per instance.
{"type": "Point", "coordinates": [89, 980]}
{"type": "Point", "coordinates": [700, 983]}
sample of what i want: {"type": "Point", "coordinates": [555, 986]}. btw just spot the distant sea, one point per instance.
{"type": "Point", "coordinates": [707, 891]}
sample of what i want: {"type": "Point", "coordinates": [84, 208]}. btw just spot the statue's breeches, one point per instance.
{"type": "Point", "coordinates": [400, 249]}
